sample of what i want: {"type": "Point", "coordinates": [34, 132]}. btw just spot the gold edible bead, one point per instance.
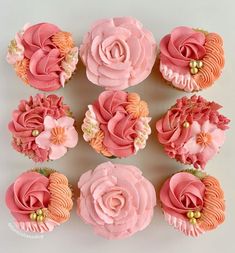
{"type": "Point", "coordinates": [186, 124]}
{"type": "Point", "coordinates": [199, 64]}
{"type": "Point", "coordinates": [40, 218]}
{"type": "Point", "coordinates": [190, 214]}
{"type": "Point", "coordinates": [33, 216]}
{"type": "Point", "coordinates": [193, 221]}
{"type": "Point", "coordinates": [194, 71]}
{"type": "Point", "coordinates": [197, 214]}
{"type": "Point", "coordinates": [39, 212]}
{"type": "Point", "coordinates": [193, 64]}
{"type": "Point", "coordinates": [35, 133]}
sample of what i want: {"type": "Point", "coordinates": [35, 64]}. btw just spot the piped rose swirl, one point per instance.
{"type": "Point", "coordinates": [43, 56]}
{"type": "Point", "coordinates": [117, 124]}
{"type": "Point", "coordinates": [191, 59]}
{"type": "Point", "coordinates": [193, 202]}
{"type": "Point", "coordinates": [39, 200]}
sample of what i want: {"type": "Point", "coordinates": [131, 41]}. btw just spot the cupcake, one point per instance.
{"type": "Point", "coordinates": [192, 131]}
{"type": "Point", "coordinates": [43, 56]}
{"type": "Point", "coordinates": [118, 53]}
{"type": "Point", "coordinates": [116, 200]}
{"type": "Point", "coordinates": [191, 59]}
{"type": "Point", "coordinates": [39, 200]}
{"type": "Point", "coordinates": [193, 202]}
{"type": "Point", "coordinates": [42, 128]}
{"type": "Point", "coordinates": [117, 124]}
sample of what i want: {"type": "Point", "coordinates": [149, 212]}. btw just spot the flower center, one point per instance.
{"type": "Point", "coordinates": [58, 135]}
{"type": "Point", "coordinates": [203, 139]}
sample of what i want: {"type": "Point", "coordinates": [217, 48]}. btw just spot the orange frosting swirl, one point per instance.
{"type": "Point", "coordinates": [61, 198]}
{"type": "Point", "coordinates": [214, 207]}
{"type": "Point", "coordinates": [213, 61]}
{"type": "Point", "coordinates": [64, 41]}
{"type": "Point", "coordinates": [136, 107]}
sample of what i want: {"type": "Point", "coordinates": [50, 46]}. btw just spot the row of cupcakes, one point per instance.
{"type": "Point", "coordinates": [118, 53]}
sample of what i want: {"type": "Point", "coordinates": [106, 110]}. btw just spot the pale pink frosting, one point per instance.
{"type": "Point", "coordinates": [64, 134]}
{"type": "Point", "coordinates": [210, 149]}
{"type": "Point", "coordinates": [118, 53]}
{"type": "Point", "coordinates": [44, 65]}
{"type": "Point", "coordinates": [38, 227]}
{"type": "Point", "coordinates": [116, 200]}
{"type": "Point", "coordinates": [116, 123]}
{"type": "Point", "coordinates": [181, 193]}
{"type": "Point", "coordinates": [174, 135]}
{"type": "Point", "coordinates": [30, 116]}
{"type": "Point", "coordinates": [27, 194]}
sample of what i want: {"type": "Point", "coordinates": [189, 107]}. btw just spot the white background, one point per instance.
{"type": "Point", "coordinates": [160, 17]}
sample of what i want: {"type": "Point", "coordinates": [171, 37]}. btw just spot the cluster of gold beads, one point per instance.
{"type": "Point", "coordinates": [193, 216]}
{"type": "Point", "coordinates": [39, 215]}
{"type": "Point", "coordinates": [195, 66]}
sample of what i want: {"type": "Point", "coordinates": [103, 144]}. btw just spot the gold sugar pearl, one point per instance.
{"type": "Point", "coordinates": [33, 216]}
{"type": "Point", "coordinates": [199, 64]}
{"type": "Point", "coordinates": [186, 124]}
{"type": "Point", "coordinates": [197, 214]}
{"type": "Point", "coordinates": [35, 133]}
{"type": "Point", "coordinates": [190, 214]}
{"type": "Point", "coordinates": [194, 71]}
{"type": "Point", "coordinates": [40, 218]}
{"type": "Point", "coordinates": [193, 221]}
{"type": "Point", "coordinates": [193, 64]}
{"type": "Point", "coordinates": [39, 212]}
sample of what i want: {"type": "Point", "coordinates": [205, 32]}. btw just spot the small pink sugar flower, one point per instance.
{"type": "Point", "coordinates": [58, 135]}
{"type": "Point", "coordinates": [205, 141]}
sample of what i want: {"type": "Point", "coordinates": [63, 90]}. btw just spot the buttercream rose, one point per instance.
{"type": "Point", "coordinates": [29, 117]}
{"type": "Point", "coordinates": [181, 193]}
{"type": "Point", "coordinates": [116, 123]}
{"type": "Point", "coordinates": [44, 57]}
{"type": "Point", "coordinates": [118, 53]}
{"type": "Point", "coordinates": [180, 47]}
{"type": "Point", "coordinates": [27, 194]}
{"type": "Point", "coordinates": [116, 200]}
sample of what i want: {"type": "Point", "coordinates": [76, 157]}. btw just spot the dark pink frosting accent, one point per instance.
{"type": "Point", "coordinates": [30, 116]}
{"type": "Point", "coordinates": [44, 57]}
{"type": "Point", "coordinates": [181, 193]}
{"type": "Point", "coordinates": [180, 47]}
{"type": "Point", "coordinates": [27, 194]}
{"type": "Point", "coordinates": [117, 125]}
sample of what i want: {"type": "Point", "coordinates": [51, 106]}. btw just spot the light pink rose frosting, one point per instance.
{"type": "Point", "coordinates": [116, 200]}
{"type": "Point", "coordinates": [27, 194]}
{"type": "Point", "coordinates": [29, 116]}
{"type": "Point", "coordinates": [181, 46]}
{"type": "Point", "coordinates": [118, 53]}
{"type": "Point", "coordinates": [181, 193]}
{"type": "Point", "coordinates": [44, 66]}
{"type": "Point", "coordinates": [116, 123]}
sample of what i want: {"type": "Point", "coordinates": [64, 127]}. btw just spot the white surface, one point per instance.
{"type": "Point", "coordinates": [160, 17]}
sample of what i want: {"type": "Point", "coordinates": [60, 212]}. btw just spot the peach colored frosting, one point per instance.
{"type": "Point", "coordinates": [116, 200]}
{"type": "Point", "coordinates": [118, 53]}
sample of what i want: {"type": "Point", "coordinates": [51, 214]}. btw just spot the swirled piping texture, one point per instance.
{"type": "Point", "coordinates": [214, 207]}
{"type": "Point", "coordinates": [213, 61]}
{"type": "Point", "coordinates": [61, 198]}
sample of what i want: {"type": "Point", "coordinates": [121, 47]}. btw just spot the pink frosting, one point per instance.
{"type": "Point", "coordinates": [180, 47]}
{"type": "Point", "coordinates": [181, 193]}
{"type": "Point", "coordinates": [44, 66]}
{"type": "Point", "coordinates": [118, 53]}
{"type": "Point", "coordinates": [116, 200]}
{"type": "Point", "coordinates": [30, 116]}
{"type": "Point", "coordinates": [27, 194]}
{"type": "Point", "coordinates": [173, 135]}
{"type": "Point", "coordinates": [118, 126]}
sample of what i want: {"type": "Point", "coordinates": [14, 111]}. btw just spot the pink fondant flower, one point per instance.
{"type": "Point", "coordinates": [118, 53]}
{"type": "Point", "coordinates": [116, 200]}
{"type": "Point", "coordinates": [205, 141]}
{"type": "Point", "coordinates": [58, 135]}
